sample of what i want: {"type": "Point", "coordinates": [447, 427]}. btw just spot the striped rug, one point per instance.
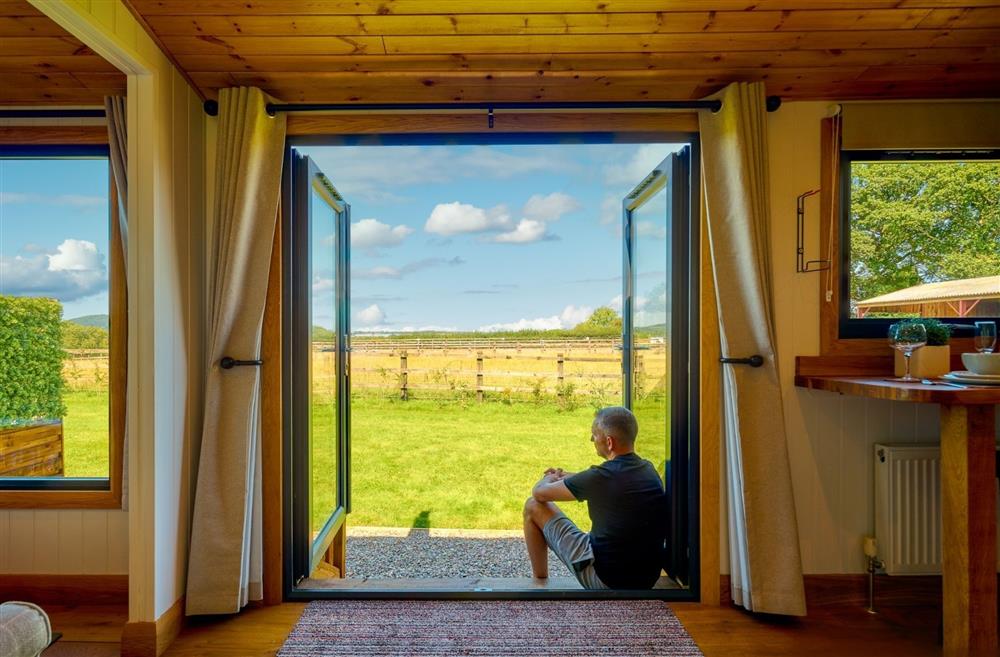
{"type": "Point", "coordinates": [550, 628]}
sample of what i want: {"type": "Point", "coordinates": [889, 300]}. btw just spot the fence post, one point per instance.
{"type": "Point", "coordinates": [560, 374]}
{"type": "Point", "coordinates": [402, 375]}
{"type": "Point", "coordinates": [640, 375]}
{"type": "Point", "coordinates": [479, 376]}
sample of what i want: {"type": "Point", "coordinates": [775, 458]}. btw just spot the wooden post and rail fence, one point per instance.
{"type": "Point", "coordinates": [448, 379]}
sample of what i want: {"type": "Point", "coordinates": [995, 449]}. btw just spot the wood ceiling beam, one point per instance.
{"type": "Point", "coordinates": [562, 44]}
{"type": "Point", "coordinates": [514, 24]}
{"type": "Point", "coordinates": [586, 62]}
{"type": "Point", "coordinates": [409, 7]}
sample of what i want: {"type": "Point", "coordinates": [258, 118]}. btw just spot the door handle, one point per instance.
{"type": "Point", "coordinates": [753, 361]}
{"type": "Point", "coordinates": [228, 363]}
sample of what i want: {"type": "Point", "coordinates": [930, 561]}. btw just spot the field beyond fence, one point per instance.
{"type": "Point", "coordinates": [499, 410]}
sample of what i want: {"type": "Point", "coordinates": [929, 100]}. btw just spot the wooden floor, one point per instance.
{"type": "Point", "coordinates": [719, 632]}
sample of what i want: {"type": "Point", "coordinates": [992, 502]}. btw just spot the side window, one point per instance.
{"type": "Point", "coordinates": [59, 254]}
{"type": "Point", "coordinates": [921, 236]}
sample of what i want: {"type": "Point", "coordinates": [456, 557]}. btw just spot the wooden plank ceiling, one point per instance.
{"type": "Point", "coordinates": [564, 50]}
{"type": "Point", "coordinates": [42, 64]}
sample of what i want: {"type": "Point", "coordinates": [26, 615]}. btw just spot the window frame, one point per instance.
{"type": "Point", "coordinates": [83, 492]}
{"type": "Point", "coordinates": [850, 328]}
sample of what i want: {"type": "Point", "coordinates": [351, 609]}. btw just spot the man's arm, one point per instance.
{"type": "Point", "coordinates": [551, 488]}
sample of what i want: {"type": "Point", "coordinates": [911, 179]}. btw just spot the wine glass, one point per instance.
{"type": "Point", "coordinates": [907, 337]}
{"type": "Point", "coordinates": [986, 337]}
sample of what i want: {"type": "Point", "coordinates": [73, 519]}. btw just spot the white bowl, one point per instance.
{"type": "Point", "coordinates": [982, 363]}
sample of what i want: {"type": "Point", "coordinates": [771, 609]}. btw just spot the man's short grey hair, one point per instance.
{"type": "Point", "coordinates": [617, 421]}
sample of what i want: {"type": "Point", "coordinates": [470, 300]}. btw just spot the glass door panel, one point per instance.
{"type": "Point", "coordinates": [318, 320]}
{"type": "Point", "coordinates": [656, 347]}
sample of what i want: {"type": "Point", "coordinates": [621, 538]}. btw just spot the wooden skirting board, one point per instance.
{"type": "Point", "coordinates": [851, 590]}
{"type": "Point", "coordinates": [152, 638]}
{"type": "Point", "coordinates": [65, 589]}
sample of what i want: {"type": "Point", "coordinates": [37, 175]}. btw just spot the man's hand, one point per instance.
{"type": "Point", "coordinates": [555, 474]}
{"type": "Point", "coordinates": [550, 488]}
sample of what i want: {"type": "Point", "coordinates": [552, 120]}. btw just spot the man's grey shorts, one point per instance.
{"type": "Point", "coordinates": [572, 546]}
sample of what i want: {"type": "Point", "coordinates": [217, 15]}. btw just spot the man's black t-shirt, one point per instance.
{"type": "Point", "coordinates": [628, 510]}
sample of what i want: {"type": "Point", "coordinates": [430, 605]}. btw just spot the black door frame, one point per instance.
{"type": "Point", "coordinates": [301, 179]}
{"type": "Point", "coordinates": [689, 284]}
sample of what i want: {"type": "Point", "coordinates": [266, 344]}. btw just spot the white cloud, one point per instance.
{"type": "Point", "coordinates": [385, 271]}
{"type": "Point", "coordinates": [383, 328]}
{"type": "Point", "coordinates": [75, 270]}
{"type": "Point", "coordinates": [371, 316]}
{"type": "Point", "coordinates": [616, 303]}
{"type": "Point", "coordinates": [568, 318]}
{"type": "Point", "coordinates": [573, 315]}
{"type": "Point", "coordinates": [527, 231]}
{"type": "Point", "coordinates": [651, 229]}
{"type": "Point", "coordinates": [371, 233]}
{"type": "Point", "coordinates": [611, 210]}
{"type": "Point", "coordinates": [322, 285]}
{"type": "Point", "coordinates": [643, 160]}
{"type": "Point", "coordinates": [550, 207]}
{"type": "Point", "coordinates": [456, 218]}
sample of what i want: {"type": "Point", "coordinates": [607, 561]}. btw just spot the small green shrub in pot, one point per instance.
{"type": "Point", "coordinates": [938, 333]}
{"type": "Point", "coordinates": [932, 360]}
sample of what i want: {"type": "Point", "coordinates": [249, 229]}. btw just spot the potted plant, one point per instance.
{"type": "Point", "coordinates": [932, 360]}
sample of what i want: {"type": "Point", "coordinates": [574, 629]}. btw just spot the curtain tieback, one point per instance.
{"type": "Point", "coordinates": [228, 363]}
{"type": "Point", "coordinates": [753, 361]}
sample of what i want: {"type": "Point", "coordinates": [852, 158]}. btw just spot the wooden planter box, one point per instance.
{"type": "Point", "coordinates": [35, 450]}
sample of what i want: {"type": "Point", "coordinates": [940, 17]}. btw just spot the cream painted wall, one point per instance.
{"type": "Point", "coordinates": [166, 137]}
{"type": "Point", "coordinates": [64, 542]}
{"type": "Point", "coordinates": [830, 437]}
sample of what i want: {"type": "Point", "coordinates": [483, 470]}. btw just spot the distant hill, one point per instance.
{"type": "Point", "coordinates": [99, 321]}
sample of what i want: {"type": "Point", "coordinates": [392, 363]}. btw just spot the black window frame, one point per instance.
{"type": "Point", "coordinates": [690, 218]}
{"type": "Point", "coordinates": [52, 152]}
{"type": "Point", "coordinates": [856, 328]}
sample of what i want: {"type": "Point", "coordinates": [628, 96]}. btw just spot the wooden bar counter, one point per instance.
{"type": "Point", "coordinates": [968, 500]}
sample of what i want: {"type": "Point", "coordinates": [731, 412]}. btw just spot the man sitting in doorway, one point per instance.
{"type": "Point", "coordinates": [627, 507]}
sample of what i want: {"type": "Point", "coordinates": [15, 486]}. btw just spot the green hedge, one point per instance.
{"type": "Point", "coordinates": [31, 355]}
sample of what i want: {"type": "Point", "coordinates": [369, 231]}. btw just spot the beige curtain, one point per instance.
{"type": "Point", "coordinates": [114, 111]}
{"type": "Point", "coordinates": [225, 567]}
{"type": "Point", "coordinates": [765, 565]}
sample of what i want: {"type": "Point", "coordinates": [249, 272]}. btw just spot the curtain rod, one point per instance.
{"type": "Point", "coordinates": [212, 106]}
{"type": "Point", "coordinates": [51, 114]}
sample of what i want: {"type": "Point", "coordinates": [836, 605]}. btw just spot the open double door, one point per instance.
{"type": "Point", "coordinates": [659, 361]}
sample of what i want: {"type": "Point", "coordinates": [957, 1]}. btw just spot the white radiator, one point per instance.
{"type": "Point", "coordinates": [908, 508]}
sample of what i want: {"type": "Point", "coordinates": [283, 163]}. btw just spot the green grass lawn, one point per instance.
{"type": "Point", "coordinates": [439, 464]}
{"type": "Point", "coordinates": [85, 433]}
{"type": "Point", "coordinates": [421, 462]}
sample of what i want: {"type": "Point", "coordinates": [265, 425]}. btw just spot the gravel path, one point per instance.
{"type": "Point", "coordinates": [388, 552]}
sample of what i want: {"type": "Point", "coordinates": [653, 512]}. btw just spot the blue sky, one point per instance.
{"type": "Point", "coordinates": [54, 232]}
{"type": "Point", "coordinates": [443, 237]}
{"type": "Point", "coordinates": [482, 237]}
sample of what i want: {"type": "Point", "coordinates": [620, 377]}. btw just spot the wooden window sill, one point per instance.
{"type": "Point", "coordinates": [60, 499]}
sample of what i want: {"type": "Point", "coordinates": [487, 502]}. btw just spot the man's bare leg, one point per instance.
{"type": "Point", "coordinates": [536, 514]}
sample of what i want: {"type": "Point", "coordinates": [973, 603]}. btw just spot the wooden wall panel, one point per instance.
{"type": "Point", "coordinates": [75, 542]}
